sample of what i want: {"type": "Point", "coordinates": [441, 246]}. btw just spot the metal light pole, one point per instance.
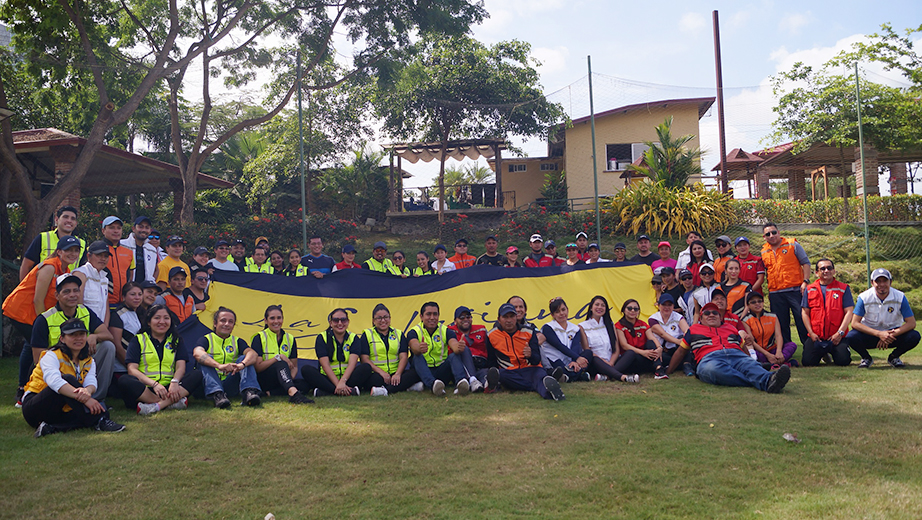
{"type": "Point", "coordinates": [301, 143]}
{"type": "Point", "coordinates": [5, 114]}
{"type": "Point", "coordinates": [595, 168]}
{"type": "Point", "coordinates": [864, 177]}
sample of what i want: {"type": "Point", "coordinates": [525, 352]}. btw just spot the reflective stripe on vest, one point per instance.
{"type": "Point", "coordinates": [251, 267]}
{"type": "Point", "coordinates": [223, 350]}
{"type": "Point", "coordinates": [438, 347]}
{"type": "Point", "coordinates": [339, 365]}
{"type": "Point", "coordinates": [160, 369]}
{"type": "Point", "coordinates": [384, 354]}
{"type": "Point", "coordinates": [271, 346]}
{"type": "Point", "coordinates": [50, 243]}
{"type": "Point", "coordinates": [382, 267]}
{"type": "Point", "coordinates": [826, 316]}
{"type": "Point", "coordinates": [419, 271]}
{"type": "Point", "coordinates": [56, 318]}
{"type": "Point", "coordinates": [782, 266]}
{"type": "Point", "coordinates": [65, 365]}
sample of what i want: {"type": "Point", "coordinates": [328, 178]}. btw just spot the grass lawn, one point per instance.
{"type": "Point", "coordinates": [659, 449]}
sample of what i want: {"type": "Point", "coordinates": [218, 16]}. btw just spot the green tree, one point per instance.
{"type": "Point", "coordinates": [357, 190]}
{"type": "Point", "coordinates": [554, 191]}
{"type": "Point", "coordinates": [669, 161]}
{"type": "Point", "coordinates": [457, 87]}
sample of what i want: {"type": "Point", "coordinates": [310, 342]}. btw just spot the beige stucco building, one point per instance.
{"type": "Point", "coordinates": [620, 134]}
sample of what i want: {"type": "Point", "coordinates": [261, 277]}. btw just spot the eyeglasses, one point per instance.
{"type": "Point", "coordinates": [826, 268]}
{"type": "Point", "coordinates": [201, 278]}
{"type": "Point", "coordinates": [710, 313]}
{"type": "Point", "coordinates": [155, 237]}
{"type": "Point", "coordinates": [632, 308]}
{"type": "Point", "coordinates": [339, 320]}
{"type": "Point", "coordinates": [770, 233]}
{"type": "Point", "coordinates": [706, 273]}
{"type": "Point", "coordinates": [657, 283]}
{"type": "Point", "coordinates": [379, 318]}
{"type": "Point", "coordinates": [398, 258]}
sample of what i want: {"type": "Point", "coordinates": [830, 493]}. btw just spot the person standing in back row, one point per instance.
{"type": "Point", "coordinates": [491, 257]}
{"type": "Point", "coordinates": [644, 255]}
{"type": "Point", "coordinates": [788, 269]}
{"type": "Point", "coordinates": [46, 243]}
{"type": "Point", "coordinates": [318, 264]}
{"type": "Point", "coordinates": [461, 259]}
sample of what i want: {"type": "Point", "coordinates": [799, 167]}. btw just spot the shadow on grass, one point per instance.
{"type": "Point", "coordinates": [664, 449]}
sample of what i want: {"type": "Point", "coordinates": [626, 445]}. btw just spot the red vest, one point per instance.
{"type": "Point", "coordinates": [783, 267]}
{"type": "Point", "coordinates": [475, 339]}
{"type": "Point", "coordinates": [826, 317]}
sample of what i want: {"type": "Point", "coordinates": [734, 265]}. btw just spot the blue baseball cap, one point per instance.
{"type": "Point", "coordinates": [349, 248]}
{"type": "Point", "coordinates": [505, 309]}
{"type": "Point", "coordinates": [740, 239]}
{"type": "Point", "coordinates": [67, 242]}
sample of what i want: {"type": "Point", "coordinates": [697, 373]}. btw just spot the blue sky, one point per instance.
{"type": "Point", "coordinates": [661, 49]}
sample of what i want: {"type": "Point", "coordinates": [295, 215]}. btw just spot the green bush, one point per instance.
{"type": "Point", "coordinates": [848, 230]}
{"type": "Point", "coordinates": [551, 224]}
{"type": "Point", "coordinates": [896, 208]}
{"type": "Point", "coordinates": [655, 209]}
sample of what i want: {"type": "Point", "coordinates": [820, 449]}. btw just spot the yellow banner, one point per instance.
{"type": "Point", "coordinates": [306, 316]}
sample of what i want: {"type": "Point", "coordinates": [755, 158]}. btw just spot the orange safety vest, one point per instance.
{"type": "Point", "coordinates": [121, 260]}
{"type": "Point", "coordinates": [825, 317]}
{"type": "Point", "coordinates": [782, 266]}
{"type": "Point", "coordinates": [19, 304]}
{"type": "Point", "coordinates": [181, 308]}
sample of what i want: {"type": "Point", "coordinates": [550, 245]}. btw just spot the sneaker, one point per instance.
{"type": "Point", "coordinates": [793, 363]}
{"type": "Point", "coordinates": [553, 388]}
{"type": "Point", "coordinates": [866, 363]}
{"type": "Point", "coordinates": [19, 393]}
{"type": "Point", "coordinates": [220, 400]}
{"type": "Point", "coordinates": [896, 362]}
{"type": "Point", "coordinates": [44, 429]}
{"type": "Point", "coordinates": [355, 391]}
{"type": "Point", "coordinates": [688, 369]}
{"type": "Point", "coordinates": [584, 376]}
{"type": "Point", "coordinates": [631, 378]}
{"type": "Point", "coordinates": [492, 381]}
{"type": "Point", "coordinates": [182, 404]}
{"type": "Point", "coordinates": [438, 388]}
{"type": "Point", "coordinates": [661, 375]}
{"type": "Point", "coordinates": [557, 373]}
{"type": "Point", "coordinates": [148, 408]}
{"type": "Point", "coordinates": [463, 387]}
{"type": "Point", "coordinates": [299, 398]}
{"type": "Point", "coordinates": [779, 378]}
{"type": "Point", "coordinates": [378, 391]}
{"type": "Point", "coordinates": [827, 359]}
{"type": "Point", "coordinates": [600, 377]}
{"type": "Point", "coordinates": [476, 385]}
{"type": "Point", "coordinates": [321, 393]}
{"type": "Point", "coordinates": [108, 425]}
{"type": "Point", "coordinates": [250, 397]}
{"type": "Point", "coordinates": [418, 387]}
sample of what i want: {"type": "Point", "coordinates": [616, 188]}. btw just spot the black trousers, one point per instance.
{"type": "Point", "coordinates": [361, 377]}
{"type": "Point", "coordinates": [47, 406]}
{"type": "Point", "coordinates": [814, 351]}
{"type": "Point", "coordinates": [276, 380]}
{"type": "Point", "coordinates": [632, 363]}
{"type": "Point", "coordinates": [131, 388]}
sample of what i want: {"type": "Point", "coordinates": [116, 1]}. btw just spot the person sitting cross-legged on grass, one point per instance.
{"type": "Point", "coordinates": [226, 362]}
{"type": "Point", "coordinates": [669, 326]}
{"type": "Point", "coordinates": [721, 361]}
{"type": "Point", "coordinates": [563, 353]}
{"type": "Point", "coordinates": [156, 359]}
{"type": "Point", "coordinates": [882, 319]}
{"type": "Point", "coordinates": [58, 396]}
{"type": "Point", "coordinates": [337, 351]}
{"type": "Point", "coordinates": [764, 334]}
{"type": "Point", "coordinates": [598, 333]}
{"type": "Point", "coordinates": [277, 367]}
{"type": "Point", "coordinates": [641, 350]}
{"type": "Point", "coordinates": [515, 350]}
{"type": "Point", "coordinates": [387, 351]}
{"type": "Point", "coordinates": [438, 357]}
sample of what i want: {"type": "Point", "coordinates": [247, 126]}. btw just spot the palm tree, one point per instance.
{"type": "Point", "coordinates": [669, 161]}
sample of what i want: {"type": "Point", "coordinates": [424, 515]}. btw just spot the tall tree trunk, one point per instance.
{"type": "Point", "coordinates": [189, 186]}
{"type": "Point", "coordinates": [845, 191]}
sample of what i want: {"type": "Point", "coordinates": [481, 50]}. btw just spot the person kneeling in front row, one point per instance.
{"type": "Point", "coordinates": [58, 396]}
{"type": "Point", "coordinates": [721, 361]}
{"type": "Point", "coordinates": [156, 359]}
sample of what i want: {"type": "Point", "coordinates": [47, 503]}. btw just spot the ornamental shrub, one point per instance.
{"type": "Point", "coordinates": [654, 209]}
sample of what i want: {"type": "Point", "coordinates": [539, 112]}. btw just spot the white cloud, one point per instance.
{"type": "Point", "coordinates": [692, 23]}
{"type": "Point", "coordinates": [792, 23]}
{"type": "Point", "coordinates": [552, 60]}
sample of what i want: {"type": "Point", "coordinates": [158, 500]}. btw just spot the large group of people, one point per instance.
{"type": "Point", "coordinates": [100, 320]}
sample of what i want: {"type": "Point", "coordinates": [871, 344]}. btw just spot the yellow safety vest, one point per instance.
{"type": "Point", "coordinates": [223, 350]}
{"type": "Point", "coordinates": [56, 318]}
{"type": "Point", "coordinates": [160, 369]}
{"type": "Point", "coordinates": [78, 369]}
{"type": "Point", "coordinates": [339, 365]}
{"type": "Point", "coordinates": [50, 243]}
{"type": "Point", "coordinates": [419, 271]}
{"type": "Point", "coordinates": [384, 354]}
{"type": "Point", "coordinates": [271, 346]}
{"type": "Point", "coordinates": [438, 347]}
{"type": "Point", "coordinates": [382, 267]}
{"type": "Point", "coordinates": [251, 267]}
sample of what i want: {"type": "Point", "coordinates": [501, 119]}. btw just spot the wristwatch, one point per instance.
{"type": "Point", "coordinates": [174, 381]}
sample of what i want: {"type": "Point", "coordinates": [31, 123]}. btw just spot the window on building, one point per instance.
{"type": "Point", "coordinates": [548, 167]}
{"type": "Point", "coordinates": [619, 156]}
{"type": "Point", "coordinates": [517, 168]}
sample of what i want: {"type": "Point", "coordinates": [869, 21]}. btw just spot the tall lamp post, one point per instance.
{"type": "Point", "coordinates": [5, 114]}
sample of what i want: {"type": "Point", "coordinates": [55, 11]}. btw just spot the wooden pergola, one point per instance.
{"type": "Point", "coordinates": [457, 150]}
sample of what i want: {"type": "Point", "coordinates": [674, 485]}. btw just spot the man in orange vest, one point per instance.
{"type": "Point", "coordinates": [827, 308]}
{"type": "Point", "coordinates": [181, 305]}
{"type": "Point", "coordinates": [461, 259]}
{"type": "Point", "coordinates": [788, 270]}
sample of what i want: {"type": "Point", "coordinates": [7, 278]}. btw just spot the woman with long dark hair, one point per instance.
{"type": "Point", "coordinates": [156, 360]}
{"type": "Point", "coordinates": [699, 257]}
{"type": "Point", "coordinates": [277, 365]}
{"type": "Point", "coordinates": [598, 333]}
{"type": "Point", "coordinates": [563, 353]}
{"type": "Point", "coordinates": [59, 395]}
{"type": "Point", "coordinates": [735, 289]}
{"type": "Point", "coordinates": [641, 350]}
{"type": "Point", "coordinates": [337, 352]}
{"type": "Point", "coordinates": [386, 350]}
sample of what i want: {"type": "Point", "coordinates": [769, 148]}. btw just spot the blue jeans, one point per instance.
{"type": "Point", "coordinates": [231, 385]}
{"type": "Point", "coordinates": [455, 368]}
{"type": "Point", "coordinates": [730, 367]}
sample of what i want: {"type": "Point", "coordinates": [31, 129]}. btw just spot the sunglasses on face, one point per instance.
{"type": "Point", "coordinates": [770, 233]}
{"type": "Point", "coordinates": [201, 278]}
{"type": "Point", "coordinates": [155, 237]}
{"type": "Point", "coordinates": [709, 313]}
{"type": "Point", "coordinates": [687, 278]}
{"type": "Point", "coordinates": [632, 308]}
{"type": "Point", "coordinates": [398, 258]}
{"type": "Point", "coordinates": [827, 268]}
{"type": "Point", "coordinates": [657, 283]}
{"type": "Point", "coordinates": [722, 244]}
{"type": "Point", "coordinates": [707, 273]}
{"type": "Point", "coordinates": [339, 320]}
{"type": "Point", "coordinates": [465, 317]}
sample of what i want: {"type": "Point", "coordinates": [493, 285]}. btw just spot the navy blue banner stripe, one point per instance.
{"type": "Point", "coordinates": [361, 283]}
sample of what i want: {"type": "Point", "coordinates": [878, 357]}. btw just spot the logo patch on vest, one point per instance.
{"type": "Point", "coordinates": [284, 348]}
{"type": "Point", "coordinates": [392, 336]}
{"type": "Point", "coordinates": [890, 310]}
{"type": "Point", "coordinates": [229, 349]}
{"type": "Point", "coordinates": [437, 338]}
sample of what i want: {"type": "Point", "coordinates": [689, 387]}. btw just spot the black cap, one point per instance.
{"type": "Point", "coordinates": [656, 279]}
{"type": "Point", "coordinates": [173, 239]}
{"type": "Point", "coordinates": [666, 297]}
{"type": "Point", "coordinates": [147, 284]}
{"type": "Point", "coordinates": [460, 240]}
{"type": "Point", "coordinates": [142, 218]}
{"type": "Point", "coordinates": [667, 270]}
{"type": "Point", "coordinates": [620, 245]}
{"type": "Point", "coordinates": [220, 243]}
{"type": "Point", "coordinates": [348, 248]}
{"type": "Point", "coordinates": [462, 310]}
{"type": "Point", "coordinates": [67, 278]}
{"type": "Point", "coordinates": [442, 247]}
{"type": "Point", "coordinates": [643, 237]}
{"type": "Point", "coordinates": [200, 251]}
{"type": "Point", "coordinates": [72, 326]}
{"type": "Point", "coordinates": [67, 242]}
{"type": "Point", "coordinates": [505, 309]}
{"type": "Point", "coordinates": [491, 237]}
{"type": "Point", "coordinates": [98, 247]}
{"type": "Point", "coordinates": [177, 270]}
{"type": "Point", "coordinates": [239, 241]}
